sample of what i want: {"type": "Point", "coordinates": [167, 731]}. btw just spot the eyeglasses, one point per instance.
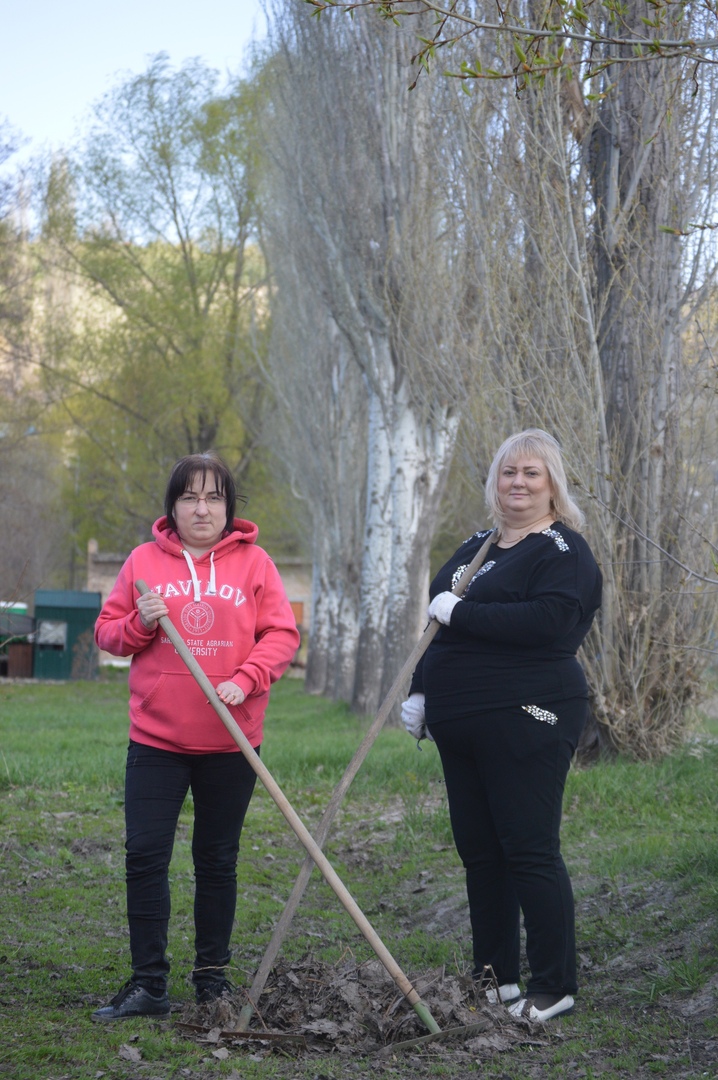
{"type": "Point", "coordinates": [191, 501]}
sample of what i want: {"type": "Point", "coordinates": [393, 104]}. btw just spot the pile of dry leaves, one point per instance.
{"type": "Point", "coordinates": [350, 1008]}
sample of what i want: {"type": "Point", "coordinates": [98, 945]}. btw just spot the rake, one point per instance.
{"type": "Point", "coordinates": [320, 836]}
{"type": "Point", "coordinates": [304, 836]}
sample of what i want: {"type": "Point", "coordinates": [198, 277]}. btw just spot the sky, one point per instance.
{"type": "Point", "coordinates": [59, 56]}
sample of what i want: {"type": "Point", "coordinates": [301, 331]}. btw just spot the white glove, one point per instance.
{"type": "Point", "coordinates": [441, 607]}
{"type": "Point", "coordinates": [412, 717]}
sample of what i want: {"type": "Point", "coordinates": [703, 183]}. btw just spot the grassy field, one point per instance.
{"type": "Point", "coordinates": [641, 842]}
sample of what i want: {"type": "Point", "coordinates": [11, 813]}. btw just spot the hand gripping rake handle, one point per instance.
{"type": "Point", "coordinates": [320, 836]}
{"type": "Point", "coordinates": [329, 874]}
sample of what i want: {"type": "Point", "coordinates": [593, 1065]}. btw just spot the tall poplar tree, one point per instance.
{"type": "Point", "coordinates": [365, 252]}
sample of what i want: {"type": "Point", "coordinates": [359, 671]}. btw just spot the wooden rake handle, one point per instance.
{"type": "Point", "coordinates": [304, 836]}
{"type": "Point", "coordinates": [322, 831]}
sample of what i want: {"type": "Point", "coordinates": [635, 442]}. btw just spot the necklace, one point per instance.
{"type": "Point", "coordinates": [503, 542]}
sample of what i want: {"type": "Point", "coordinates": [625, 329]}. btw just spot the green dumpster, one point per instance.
{"type": "Point", "coordinates": [64, 633]}
{"type": "Point", "coordinates": [16, 630]}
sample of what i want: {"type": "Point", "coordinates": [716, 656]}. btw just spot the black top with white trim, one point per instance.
{"type": "Point", "coordinates": [513, 639]}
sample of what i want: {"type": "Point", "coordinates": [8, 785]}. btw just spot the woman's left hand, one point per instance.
{"type": "Point", "coordinates": [230, 693]}
{"type": "Point", "coordinates": [441, 607]}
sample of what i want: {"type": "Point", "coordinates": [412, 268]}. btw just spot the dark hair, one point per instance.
{"type": "Point", "coordinates": [184, 472]}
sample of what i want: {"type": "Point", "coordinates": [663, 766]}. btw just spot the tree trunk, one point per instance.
{"type": "Point", "coordinates": [406, 475]}
{"type": "Point", "coordinates": [355, 208]}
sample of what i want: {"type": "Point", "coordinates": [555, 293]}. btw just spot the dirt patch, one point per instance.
{"type": "Point", "coordinates": [87, 848]}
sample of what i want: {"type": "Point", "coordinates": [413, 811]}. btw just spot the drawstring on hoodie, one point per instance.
{"type": "Point", "coordinates": [212, 588]}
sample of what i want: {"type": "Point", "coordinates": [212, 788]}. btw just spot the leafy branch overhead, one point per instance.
{"type": "Point", "coordinates": [551, 35]}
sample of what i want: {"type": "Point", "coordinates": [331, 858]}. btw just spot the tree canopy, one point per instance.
{"type": "Point", "coordinates": [582, 36]}
{"type": "Point", "coordinates": [152, 334]}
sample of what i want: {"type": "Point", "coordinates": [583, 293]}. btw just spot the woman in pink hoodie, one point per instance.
{"type": "Point", "coordinates": [224, 593]}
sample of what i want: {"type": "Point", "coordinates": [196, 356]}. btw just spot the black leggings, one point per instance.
{"type": "Point", "coordinates": [156, 783]}
{"type": "Point", "coordinates": [505, 772]}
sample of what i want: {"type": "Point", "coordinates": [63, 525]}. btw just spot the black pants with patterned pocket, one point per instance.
{"type": "Point", "coordinates": [505, 773]}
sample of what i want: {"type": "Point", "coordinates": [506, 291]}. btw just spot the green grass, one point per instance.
{"type": "Point", "coordinates": [640, 840]}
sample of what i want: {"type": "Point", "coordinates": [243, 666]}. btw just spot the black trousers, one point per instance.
{"type": "Point", "coordinates": [156, 783]}
{"type": "Point", "coordinates": [505, 773]}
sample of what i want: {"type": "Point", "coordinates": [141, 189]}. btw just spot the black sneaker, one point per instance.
{"type": "Point", "coordinates": [133, 1000]}
{"type": "Point", "coordinates": [212, 990]}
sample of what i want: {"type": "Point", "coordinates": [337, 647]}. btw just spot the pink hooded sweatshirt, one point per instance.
{"type": "Point", "coordinates": [230, 606]}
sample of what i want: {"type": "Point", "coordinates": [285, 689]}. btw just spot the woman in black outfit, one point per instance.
{"type": "Point", "coordinates": [503, 696]}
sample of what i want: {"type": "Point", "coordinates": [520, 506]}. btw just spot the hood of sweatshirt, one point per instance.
{"type": "Point", "coordinates": [243, 532]}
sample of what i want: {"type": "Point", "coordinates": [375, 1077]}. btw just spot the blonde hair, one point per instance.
{"type": "Point", "coordinates": [538, 444]}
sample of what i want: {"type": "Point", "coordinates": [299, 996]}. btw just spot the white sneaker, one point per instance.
{"type": "Point", "coordinates": [525, 1007]}
{"type": "Point", "coordinates": [507, 993]}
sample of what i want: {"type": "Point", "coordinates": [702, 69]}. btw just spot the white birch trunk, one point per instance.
{"type": "Point", "coordinates": [422, 459]}
{"type": "Point", "coordinates": [408, 462]}
{"type": "Point", "coordinates": [335, 627]}
{"type": "Point", "coordinates": [376, 560]}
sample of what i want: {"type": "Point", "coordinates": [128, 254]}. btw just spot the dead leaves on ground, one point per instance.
{"type": "Point", "coordinates": [354, 1008]}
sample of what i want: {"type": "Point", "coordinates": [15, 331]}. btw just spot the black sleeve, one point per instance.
{"type": "Point", "coordinates": [552, 607]}
{"type": "Point", "coordinates": [444, 581]}
{"type": "Point", "coordinates": [417, 679]}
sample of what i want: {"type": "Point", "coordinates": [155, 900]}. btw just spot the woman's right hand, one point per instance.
{"type": "Point", "coordinates": [412, 716]}
{"type": "Point", "coordinates": [152, 608]}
